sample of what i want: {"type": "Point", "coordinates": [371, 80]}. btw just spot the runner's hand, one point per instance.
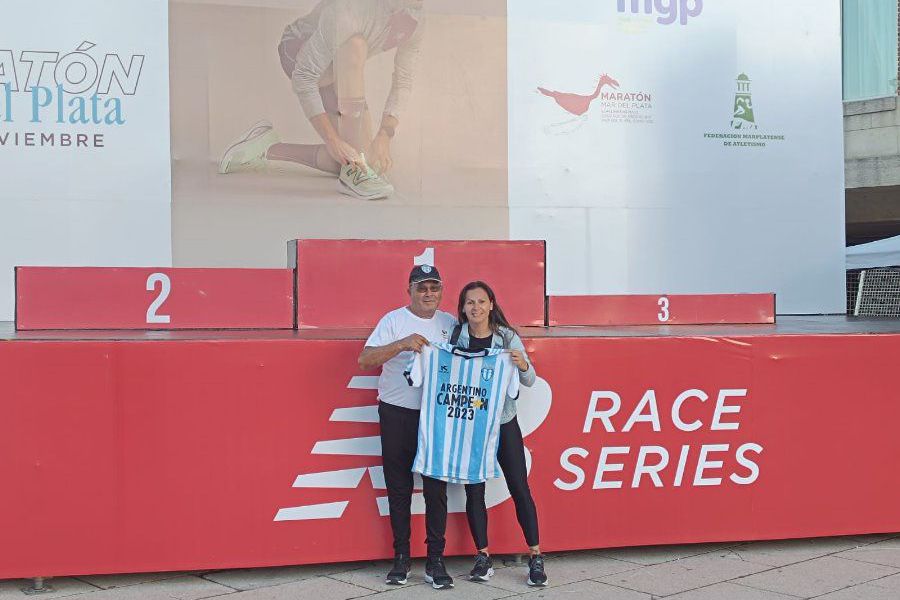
{"type": "Point", "coordinates": [379, 156]}
{"type": "Point", "coordinates": [342, 152]}
{"type": "Point", "coordinates": [413, 342]}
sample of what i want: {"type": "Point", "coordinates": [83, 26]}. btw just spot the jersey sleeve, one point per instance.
{"type": "Point", "coordinates": [512, 388]}
{"type": "Point", "coordinates": [414, 369]}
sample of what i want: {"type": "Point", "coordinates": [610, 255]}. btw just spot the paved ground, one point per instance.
{"type": "Point", "coordinates": [841, 568]}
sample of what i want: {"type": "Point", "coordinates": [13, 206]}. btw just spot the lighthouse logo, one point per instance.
{"type": "Point", "coordinates": [743, 105]}
{"type": "Point", "coordinates": [743, 131]}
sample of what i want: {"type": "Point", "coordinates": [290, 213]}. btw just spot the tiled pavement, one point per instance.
{"type": "Point", "coordinates": [839, 568]}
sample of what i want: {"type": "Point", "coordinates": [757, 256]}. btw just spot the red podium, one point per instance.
{"type": "Point", "coordinates": [166, 451]}
{"type": "Point", "coordinates": [352, 283]}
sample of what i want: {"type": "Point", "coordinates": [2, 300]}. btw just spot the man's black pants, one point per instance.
{"type": "Point", "coordinates": [399, 439]}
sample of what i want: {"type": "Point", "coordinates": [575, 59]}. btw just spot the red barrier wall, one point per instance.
{"type": "Point", "coordinates": [170, 455]}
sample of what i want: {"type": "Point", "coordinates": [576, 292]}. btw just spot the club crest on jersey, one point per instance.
{"type": "Point", "coordinates": [487, 374]}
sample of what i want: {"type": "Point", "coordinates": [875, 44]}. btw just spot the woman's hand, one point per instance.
{"type": "Point", "coordinates": [518, 358]}
{"type": "Point", "coordinates": [379, 157]}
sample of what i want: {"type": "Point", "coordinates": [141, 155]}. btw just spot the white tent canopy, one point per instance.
{"type": "Point", "coordinates": [881, 253]}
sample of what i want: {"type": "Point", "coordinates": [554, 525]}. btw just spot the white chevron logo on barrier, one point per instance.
{"type": "Point", "coordinates": [534, 405]}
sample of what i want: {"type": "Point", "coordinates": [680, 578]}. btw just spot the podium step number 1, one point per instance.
{"type": "Point", "coordinates": [514, 269]}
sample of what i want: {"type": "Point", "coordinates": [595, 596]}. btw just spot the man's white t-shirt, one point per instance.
{"type": "Point", "coordinates": [396, 325]}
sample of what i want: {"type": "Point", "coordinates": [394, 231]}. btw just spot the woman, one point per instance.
{"type": "Point", "coordinates": [482, 324]}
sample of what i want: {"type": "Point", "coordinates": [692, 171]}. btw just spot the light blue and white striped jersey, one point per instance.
{"type": "Point", "coordinates": [463, 393]}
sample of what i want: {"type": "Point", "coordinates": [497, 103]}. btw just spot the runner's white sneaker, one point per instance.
{"type": "Point", "coordinates": [361, 181]}
{"type": "Point", "coordinates": [249, 151]}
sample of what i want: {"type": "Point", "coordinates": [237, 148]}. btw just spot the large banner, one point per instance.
{"type": "Point", "coordinates": [654, 145]}
{"type": "Point", "coordinates": [691, 146]}
{"type": "Point", "coordinates": [678, 146]}
{"type": "Point", "coordinates": [84, 136]}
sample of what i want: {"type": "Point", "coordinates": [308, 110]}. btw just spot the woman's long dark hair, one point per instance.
{"type": "Point", "coordinates": [496, 318]}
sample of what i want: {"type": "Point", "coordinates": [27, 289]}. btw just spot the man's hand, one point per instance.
{"type": "Point", "coordinates": [518, 359]}
{"type": "Point", "coordinates": [413, 342]}
{"type": "Point", "coordinates": [375, 356]}
{"type": "Point", "coordinates": [379, 157]}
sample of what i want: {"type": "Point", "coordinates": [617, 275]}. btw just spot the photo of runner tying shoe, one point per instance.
{"type": "Point", "coordinates": [324, 53]}
{"type": "Point", "coordinates": [335, 119]}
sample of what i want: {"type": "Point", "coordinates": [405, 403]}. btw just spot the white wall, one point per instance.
{"type": "Point", "coordinates": [92, 204]}
{"type": "Point", "coordinates": [651, 205]}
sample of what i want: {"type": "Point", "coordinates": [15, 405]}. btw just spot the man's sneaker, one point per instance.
{"type": "Point", "coordinates": [436, 573]}
{"type": "Point", "coordinates": [483, 569]}
{"type": "Point", "coordinates": [361, 181]}
{"type": "Point", "coordinates": [536, 575]}
{"type": "Point", "coordinates": [399, 572]}
{"type": "Point", "coordinates": [249, 150]}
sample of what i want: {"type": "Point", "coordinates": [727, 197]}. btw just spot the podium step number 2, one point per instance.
{"type": "Point", "coordinates": [147, 298]}
{"type": "Point", "coordinates": [165, 286]}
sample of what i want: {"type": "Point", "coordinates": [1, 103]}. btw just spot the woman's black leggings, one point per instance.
{"type": "Point", "coordinates": [511, 456]}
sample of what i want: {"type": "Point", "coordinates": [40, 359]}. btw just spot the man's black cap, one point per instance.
{"type": "Point", "coordinates": [424, 273]}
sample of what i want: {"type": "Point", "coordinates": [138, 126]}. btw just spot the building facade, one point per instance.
{"type": "Point", "coordinates": [871, 119]}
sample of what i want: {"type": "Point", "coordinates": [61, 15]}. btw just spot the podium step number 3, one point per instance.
{"type": "Point", "coordinates": [675, 309]}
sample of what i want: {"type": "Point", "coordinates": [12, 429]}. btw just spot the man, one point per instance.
{"type": "Point", "coordinates": [397, 335]}
{"type": "Point", "coordinates": [324, 54]}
